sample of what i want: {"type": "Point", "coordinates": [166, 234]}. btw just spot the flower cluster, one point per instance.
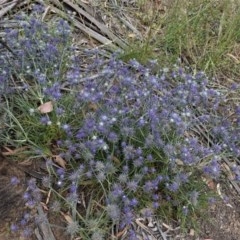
{"type": "Point", "coordinates": [127, 128]}
{"type": "Point", "coordinates": [32, 198]}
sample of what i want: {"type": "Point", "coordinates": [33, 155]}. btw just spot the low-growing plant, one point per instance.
{"type": "Point", "coordinates": [123, 131]}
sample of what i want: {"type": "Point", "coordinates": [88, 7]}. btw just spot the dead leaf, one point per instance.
{"type": "Point", "coordinates": [192, 232]}
{"type": "Point", "coordinates": [132, 35]}
{"type": "Point", "coordinates": [46, 107]}
{"type": "Point", "coordinates": [48, 197]}
{"type": "Point", "coordinates": [119, 234]}
{"type": "Point", "coordinates": [234, 58]}
{"type": "Point", "coordinates": [210, 183]}
{"type": "Point", "coordinates": [167, 226]}
{"type": "Point", "coordinates": [179, 162]}
{"type": "Point", "coordinates": [219, 190]}
{"type": "Point", "coordinates": [13, 152]}
{"type": "Point", "coordinates": [229, 205]}
{"type": "Point", "coordinates": [67, 217]}
{"type": "Point", "coordinates": [229, 172]}
{"type": "Point", "coordinates": [60, 161]}
{"type": "Point", "coordinates": [92, 107]}
{"type": "Point", "coordinates": [115, 160]}
{"type": "Point", "coordinates": [44, 206]}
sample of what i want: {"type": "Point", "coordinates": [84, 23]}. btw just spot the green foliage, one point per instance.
{"type": "Point", "coordinates": [200, 33]}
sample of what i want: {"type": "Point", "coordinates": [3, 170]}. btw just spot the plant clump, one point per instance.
{"type": "Point", "coordinates": [124, 131]}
